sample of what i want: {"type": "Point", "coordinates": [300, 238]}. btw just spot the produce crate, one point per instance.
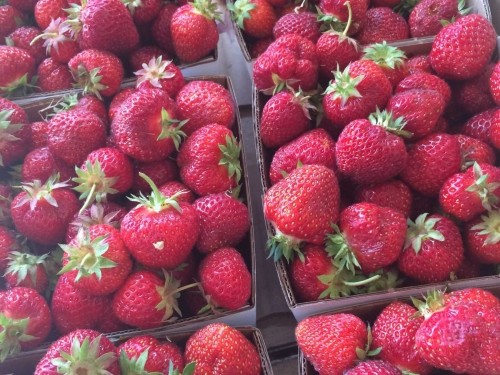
{"type": "Point", "coordinates": [302, 309]}
{"type": "Point", "coordinates": [369, 313]}
{"type": "Point", "coordinates": [27, 364]}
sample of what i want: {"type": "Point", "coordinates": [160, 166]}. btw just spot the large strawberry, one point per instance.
{"type": "Point", "coordinates": [301, 23]}
{"type": "Point", "coordinates": [17, 67]}
{"type": "Point", "coordinates": [392, 193]}
{"type": "Point", "coordinates": [27, 270]}
{"type": "Point", "coordinates": [482, 238]}
{"type": "Point", "coordinates": [255, 17]}
{"type": "Point", "coordinates": [301, 208]}
{"type": "Point", "coordinates": [41, 163]}
{"type": "Point", "coordinates": [14, 132]}
{"type": "Point", "coordinates": [382, 23]}
{"type": "Point", "coordinates": [425, 81]}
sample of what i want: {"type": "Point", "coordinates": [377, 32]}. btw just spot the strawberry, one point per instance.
{"type": "Point", "coordinates": [258, 47]}
{"type": "Point", "coordinates": [301, 208]}
{"type": "Point", "coordinates": [48, 10]}
{"type": "Point", "coordinates": [204, 103]}
{"type": "Point", "coordinates": [145, 12]}
{"type": "Point", "coordinates": [419, 64]}
{"type": "Point", "coordinates": [392, 60]}
{"type": "Point", "coordinates": [433, 249]}
{"type": "Point", "coordinates": [118, 100]}
{"type": "Point", "coordinates": [420, 110]}
{"type": "Point", "coordinates": [7, 244]}
{"type": "Point", "coordinates": [27, 270]}
{"type": "Point", "coordinates": [340, 12]}
{"type": "Point", "coordinates": [24, 320]}
{"type": "Point", "coordinates": [255, 17]}
{"type": "Point", "coordinates": [482, 238]}
{"type": "Point", "coordinates": [394, 194]}
{"type": "Point", "coordinates": [370, 237]}
{"type": "Point", "coordinates": [304, 24]}
{"type": "Point", "coordinates": [289, 61]}
{"type": "Point", "coordinates": [473, 150]}
{"type": "Point", "coordinates": [374, 367]}
{"type": "Point", "coordinates": [87, 103]}
{"type": "Point", "coordinates": [469, 269]}
{"type": "Point", "coordinates": [495, 130]}
{"type": "Point", "coordinates": [164, 75]}
{"type": "Point", "coordinates": [160, 232]}
{"type": "Point", "coordinates": [72, 135]}
{"type": "Point", "coordinates": [455, 54]}
{"type": "Point", "coordinates": [83, 350]}
{"type": "Point", "coordinates": [144, 54]}
{"type": "Point", "coordinates": [194, 31]}
{"type": "Point", "coordinates": [468, 194]}
{"type": "Point", "coordinates": [284, 117]}
{"type": "Point", "coordinates": [97, 72]}
{"type": "Point", "coordinates": [10, 19]}
{"type": "Point", "coordinates": [370, 151]}
{"type": "Point", "coordinates": [145, 128]}
{"type": "Point", "coordinates": [14, 132]}
{"type": "Point", "coordinates": [160, 172]}
{"type": "Point", "coordinates": [313, 147]}
{"type": "Point", "coordinates": [175, 187]}
{"type": "Point", "coordinates": [332, 343]}
{"type": "Point", "coordinates": [58, 42]}
{"type": "Point", "coordinates": [427, 17]}
{"type": "Point", "coordinates": [474, 96]}
{"type": "Point", "coordinates": [161, 27]}
{"type": "Point", "coordinates": [225, 279]}
{"type": "Point", "coordinates": [224, 221]}
{"type": "Point", "coordinates": [356, 92]}
{"type": "Point", "coordinates": [382, 24]}
{"type": "Point", "coordinates": [394, 331]}
{"type": "Point", "coordinates": [431, 161]}
{"type": "Point", "coordinates": [25, 6]}
{"type": "Point", "coordinates": [22, 37]}
{"type": "Point", "coordinates": [425, 81]}
{"type": "Point", "coordinates": [495, 84]}
{"type": "Point", "coordinates": [17, 67]}
{"type": "Point", "coordinates": [479, 126]}
{"type": "Point", "coordinates": [94, 29]}
{"type": "Point", "coordinates": [39, 134]}
{"type": "Point", "coordinates": [53, 76]}
{"type": "Point", "coordinates": [209, 160]}
{"type": "Point", "coordinates": [43, 212]}
{"type": "Point", "coordinates": [145, 353]}
{"type": "Point", "coordinates": [40, 164]}
{"type": "Point", "coordinates": [220, 349]}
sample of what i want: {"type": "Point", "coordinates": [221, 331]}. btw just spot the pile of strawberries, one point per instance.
{"type": "Point", "coordinates": [455, 331]}
{"type": "Point", "coordinates": [93, 44]}
{"type": "Point", "coordinates": [399, 175]}
{"type": "Point", "coordinates": [134, 205]}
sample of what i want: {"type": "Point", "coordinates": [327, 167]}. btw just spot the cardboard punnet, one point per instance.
{"type": "Point", "coordinates": [302, 309]}
{"type": "Point", "coordinates": [28, 364]}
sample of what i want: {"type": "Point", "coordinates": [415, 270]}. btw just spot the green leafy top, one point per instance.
{"type": "Point", "coordinates": [483, 188]}
{"type": "Point", "coordinates": [387, 121]}
{"type": "Point", "coordinates": [338, 248]}
{"type": "Point", "coordinates": [489, 226]}
{"type": "Point", "coordinates": [19, 87]}
{"type": "Point", "coordinates": [171, 128]}
{"type": "Point", "coordinates": [36, 191]}
{"type": "Point", "coordinates": [24, 265]}
{"type": "Point", "coordinates": [367, 351]}
{"type": "Point", "coordinates": [188, 369]}
{"type": "Point", "coordinates": [384, 55]}
{"type": "Point", "coordinates": [207, 9]}
{"type": "Point", "coordinates": [73, 21]}
{"type": "Point", "coordinates": [94, 216]}
{"type": "Point", "coordinates": [8, 129]}
{"type": "Point", "coordinates": [154, 71]}
{"type": "Point", "coordinates": [136, 364]}
{"type": "Point", "coordinates": [231, 157]}
{"type": "Point", "coordinates": [12, 334]}
{"type": "Point", "coordinates": [343, 86]}
{"type": "Point", "coordinates": [240, 11]}
{"type": "Point", "coordinates": [90, 82]}
{"type": "Point", "coordinates": [433, 302]}
{"type": "Point", "coordinates": [169, 293]}
{"type": "Point", "coordinates": [282, 245]}
{"type": "Point", "coordinates": [54, 34]}
{"type": "Point", "coordinates": [303, 100]}
{"type": "Point", "coordinates": [421, 230]}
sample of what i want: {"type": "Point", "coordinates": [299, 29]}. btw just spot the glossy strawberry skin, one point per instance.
{"type": "Point", "coordinates": [261, 20]}
{"type": "Point", "coordinates": [394, 194]}
{"type": "Point", "coordinates": [382, 24]}
{"type": "Point", "coordinates": [474, 95]}
{"type": "Point", "coordinates": [53, 76]}
{"type": "Point", "coordinates": [117, 101]}
{"type": "Point", "coordinates": [338, 9]}
{"type": "Point", "coordinates": [144, 54]}
{"type": "Point", "coordinates": [41, 164]}
{"type": "Point", "coordinates": [478, 249]}
{"type": "Point", "coordinates": [160, 172]}
{"type": "Point", "coordinates": [92, 104]}
{"type": "Point", "coordinates": [173, 187]}
{"type": "Point", "coordinates": [304, 24]}
{"type": "Point", "coordinates": [12, 151]}
{"type": "Point", "coordinates": [374, 367]}
{"type": "Point", "coordinates": [161, 28]}
{"type": "Point", "coordinates": [425, 81]}
{"type": "Point", "coordinates": [7, 244]}
{"type": "Point", "coordinates": [9, 18]}
{"type": "Point", "coordinates": [114, 164]}
{"type": "Point", "coordinates": [495, 83]}
{"type": "Point", "coordinates": [15, 63]}
{"type": "Point", "coordinates": [22, 37]}
{"type": "Point", "coordinates": [478, 126]}
{"type": "Point", "coordinates": [40, 284]}
{"type": "Point", "coordinates": [425, 17]}
{"type": "Point", "coordinates": [419, 64]}
{"type": "Point", "coordinates": [331, 50]}
{"type": "Point", "coordinates": [474, 150]}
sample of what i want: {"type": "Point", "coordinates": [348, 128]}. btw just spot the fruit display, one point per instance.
{"type": "Point", "coordinates": [444, 333]}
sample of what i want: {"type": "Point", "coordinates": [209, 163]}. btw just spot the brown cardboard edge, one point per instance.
{"type": "Point", "coordinates": [239, 36]}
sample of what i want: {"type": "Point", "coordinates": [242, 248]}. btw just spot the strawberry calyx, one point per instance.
{"type": "Point", "coordinates": [88, 81]}
{"type": "Point", "coordinates": [154, 71]}
{"type": "Point", "coordinates": [19, 87]}
{"type": "Point", "coordinates": [93, 184]}
{"type": "Point", "coordinates": [240, 11]}
{"type": "Point", "coordinates": [36, 191]}
{"type": "Point", "coordinates": [170, 293]}
{"type": "Point", "coordinates": [73, 21]}
{"type": "Point", "coordinates": [483, 188]}
{"type": "Point", "coordinates": [136, 364]}
{"type": "Point", "coordinates": [386, 120]}
{"type": "Point", "coordinates": [12, 334]}
{"type": "Point", "coordinates": [329, 21]}
{"type": "Point", "coordinates": [54, 34]}
{"type": "Point", "coordinates": [343, 86]}
{"type": "Point", "coordinates": [8, 129]}
{"type": "Point", "coordinates": [463, 10]}
{"type": "Point", "coordinates": [132, 5]}
{"type": "Point", "coordinates": [230, 157]}
{"type": "Point", "coordinates": [367, 351]}
{"type": "Point", "coordinates": [188, 369]}
{"type": "Point", "coordinates": [338, 248]}
{"type": "Point", "coordinates": [211, 305]}
{"type": "Point", "coordinates": [87, 255]}
{"type": "Point", "coordinates": [433, 302]}
{"type": "Point", "coordinates": [384, 55]}
{"type": "Point", "coordinates": [63, 104]}
{"type": "Point", "coordinates": [24, 265]}
{"type": "Point", "coordinates": [95, 216]}
{"type": "Point", "coordinates": [420, 230]}
{"type": "Point", "coordinates": [387, 280]}
{"type": "Point", "coordinates": [171, 128]}
{"type": "Point", "coordinates": [405, 7]}
{"type": "Point", "coordinates": [490, 227]}
{"type": "Point", "coordinates": [83, 358]}
{"type": "Point", "coordinates": [282, 245]}
{"type": "Point", "coordinates": [304, 102]}
{"type": "Point", "coordinates": [207, 9]}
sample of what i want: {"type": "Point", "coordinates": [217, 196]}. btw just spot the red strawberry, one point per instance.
{"type": "Point", "coordinates": [117, 101]}
{"type": "Point", "coordinates": [433, 249]}
{"type": "Point", "coordinates": [258, 47]}
{"type": "Point", "coordinates": [474, 96]}
{"type": "Point", "coordinates": [7, 244]}
{"type": "Point", "coordinates": [482, 238]}
{"type": "Point", "coordinates": [374, 367]}
{"type": "Point", "coordinates": [42, 212]}
{"type": "Point", "coordinates": [221, 349]}
{"type": "Point", "coordinates": [468, 269]}
{"type": "Point", "coordinates": [468, 194]}
{"type": "Point", "coordinates": [495, 83]}
{"type": "Point", "coordinates": [27, 270]}
{"type": "Point", "coordinates": [332, 343]}
{"type": "Point", "coordinates": [313, 147]}
{"type": "Point", "coordinates": [224, 221]}
{"type": "Point", "coordinates": [392, 193]}
{"type": "Point", "coordinates": [10, 19]}
{"type": "Point", "coordinates": [204, 103]}
{"type": "Point", "coordinates": [145, 12]}
{"type": "Point", "coordinates": [53, 76]}
{"type": "Point", "coordinates": [22, 37]}
{"type": "Point", "coordinates": [175, 187]}
{"type": "Point", "coordinates": [284, 117]}
{"type": "Point", "coordinates": [392, 60]}
{"type": "Point", "coordinates": [164, 75]}
{"type": "Point", "coordinates": [87, 103]}
{"type": "Point", "coordinates": [495, 130]}
{"type": "Point", "coordinates": [161, 27]}
{"type": "Point", "coordinates": [425, 81]}
{"type": "Point", "coordinates": [144, 54]}
{"type": "Point", "coordinates": [160, 172]}
{"type": "Point", "coordinates": [194, 31]}
{"type": "Point", "coordinates": [304, 24]}
{"type": "Point", "coordinates": [479, 126]}
{"type": "Point", "coordinates": [419, 64]}
{"type": "Point", "coordinates": [14, 133]}
{"type": "Point", "coordinates": [301, 208]}
{"type": "Point", "coordinates": [80, 351]}
{"type": "Point", "coordinates": [462, 49]}
{"type": "Point", "coordinates": [426, 18]}
{"type": "Point", "coordinates": [40, 164]}
{"type": "Point", "coordinates": [25, 6]}
{"type": "Point", "coordinates": [473, 150]}
{"type": "Point", "coordinates": [48, 10]}
{"type": "Point", "coordinates": [382, 24]}
{"type": "Point", "coordinates": [58, 42]}
{"type": "Point", "coordinates": [394, 331]}
{"type": "Point", "coordinates": [209, 160]}
{"type": "Point", "coordinates": [25, 320]}
{"type": "Point", "coordinates": [370, 151]}
{"type": "Point", "coordinates": [255, 17]}
{"type": "Point", "coordinates": [340, 12]}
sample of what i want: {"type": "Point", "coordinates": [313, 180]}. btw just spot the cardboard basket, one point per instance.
{"type": "Point", "coordinates": [27, 365]}
{"type": "Point", "coordinates": [302, 309]}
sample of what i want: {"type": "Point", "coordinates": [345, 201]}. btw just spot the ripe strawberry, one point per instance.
{"type": "Point", "coordinates": [171, 188]}
{"type": "Point", "coordinates": [382, 24]}
{"type": "Point", "coordinates": [285, 117]}
{"type": "Point", "coordinates": [26, 270]}
{"type": "Point", "coordinates": [301, 208]}
{"type": "Point", "coordinates": [313, 147]}
{"type": "Point", "coordinates": [468, 194]}
{"type": "Point", "coordinates": [145, 353]}
{"type": "Point", "coordinates": [495, 130]}
{"type": "Point", "coordinates": [224, 221]}
{"type": "Point", "coordinates": [83, 350]}
{"type": "Point", "coordinates": [14, 132]}
{"type": "Point", "coordinates": [10, 19]}
{"type": "Point", "coordinates": [473, 150]}
{"type": "Point", "coordinates": [144, 54]}
{"type": "Point", "coordinates": [332, 343]}
{"type": "Point", "coordinates": [374, 367]}
{"type": "Point", "coordinates": [161, 28]}
{"type": "Point", "coordinates": [117, 101]}
{"type": "Point", "coordinates": [258, 47]}
{"type": "Point", "coordinates": [474, 96]}
{"type": "Point", "coordinates": [203, 103]}
{"type": "Point", "coordinates": [209, 160]}
{"type": "Point", "coordinates": [426, 18]}
{"type": "Point", "coordinates": [289, 61]}
{"type": "Point", "coordinates": [7, 244]}
{"type": "Point", "coordinates": [392, 193]}
{"type": "Point", "coordinates": [391, 59]}
{"type": "Point", "coordinates": [160, 172]}
{"type": "Point", "coordinates": [39, 134]}
{"type": "Point", "coordinates": [194, 31]}
{"type": "Point", "coordinates": [145, 12]}
{"type": "Point", "coordinates": [17, 67]}
{"type": "Point", "coordinates": [41, 164]}
{"type": "Point", "coordinates": [58, 42]}
{"type": "Point", "coordinates": [255, 17]}
{"type": "Point", "coordinates": [394, 331]}
{"type": "Point", "coordinates": [164, 75]}
{"type": "Point", "coordinates": [87, 103]}
{"type": "Point", "coordinates": [42, 212]}
{"type": "Point", "coordinates": [22, 37]}
{"type": "Point", "coordinates": [425, 81]}
{"type": "Point", "coordinates": [340, 12]}
{"type": "Point", "coordinates": [25, 6]}
{"type": "Point", "coordinates": [145, 128]}
{"type": "Point", "coordinates": [53, 76]}
{"type": "Point", "coordinates": [482, 238]}
{"type": "Point", "coordinates": [468, 269]}
{"type": "Point", "coordinates": [304, 24]}
{"type": "Point", "coordinates": [419, 64]}
{"type": "Point", "coordinates": [433, 249]}
{"type": "Point", "coordinates": [48, 10]}
{"type": "Point", "coordinates": [370, 151]}
{"type": "Point", "coordinates": [455, 54]}
{"type": "Point", "coordinates": [495, 84]}
{"type": "Point", "coordinates": [160, 232]}
{"type": "Point", "coordinates": [220, 349]}
{"type": "Point", "coordinates": [420, 110]}
{"type": "Point", "coordinates": [24, 320]}
{"type": "Point", "coordinates": [479, 126]}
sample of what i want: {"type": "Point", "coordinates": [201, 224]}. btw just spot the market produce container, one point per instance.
{"type": "Point", "coordinates": [303, 309]}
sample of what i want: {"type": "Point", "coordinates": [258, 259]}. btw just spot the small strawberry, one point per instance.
{"type": "Point", "coordinates": [22, 37]}
{"type": "Point", "coordinates": [419, 64]}
{"type": "Point", "coordinates": [482, 238]}
{"type": "Point", "coordinates": [374, 367]}
{"type": "Point", "coordinates": [17, 67]}
{"type": "Point", "coordinates": [495, 130]}
{"type": "Point", "coordinates": [10, 19]}
{"type": "Point", "coordinates": [474, 95]}
{"type": "Point", "coordinates": [495, 83]}
{"type": "Point", "coordinates": [340, 12]}
{"type": "Point", "coordinates": [382, 24]}
{"type": "Point", "coordinates": [428, 16]}
{"type": "Point", "coordinates": [255, 17]}
{"type": "Point", "coordinates": [304, 24]}
{"type": "Point", "coordinates": [14, 132]}
{"type": "Point", "coordinates": [143, 12]}
{"type": "Point", "coordinates": [57, 41]}
{"type": "Point", "coordinates": [161, 27]}
{"type": "Point", "coordinates": [479, 126]}
{"type": "Point", "coordinates": [160, 172]}
{"type": "Point", "coordinates": [164, 75]}
{"type": "Point", "coordinates": [473, 150]}
{"type": "Point", "coordinates": [391, 59]}
{"type": "Point", "coordinates": [27, 270]}
{"type": "Point", "coordinates": [48, 10]}
{"type": "Point", "coordinates": [394, 194]}
{"type": "Point", "coordinates": [53, 76]}
{"type": "Point", "coordinates": [40, 164]}
{"type": "Point", "coordinates": [171, 188]}
{"type": "Point", "coordinates": [425, 81]}
{"type": "Point", "coordinates": [8, 243]}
